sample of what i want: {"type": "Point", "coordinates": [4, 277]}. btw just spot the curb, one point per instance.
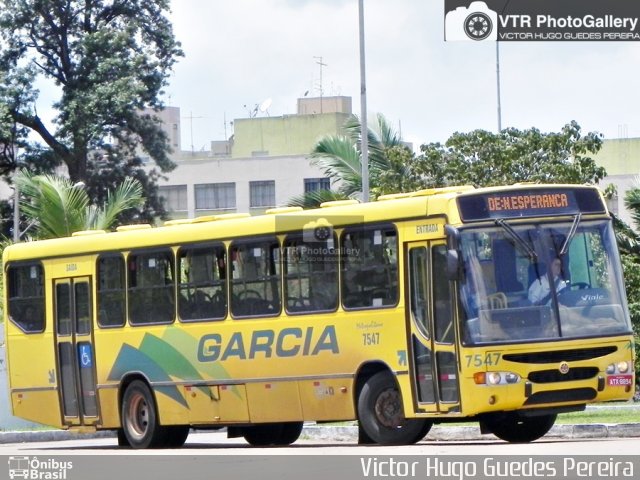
{"type": "Point", "coordinates": [350, 433]}
{"type": "Point", "coordinates": [444, 433]}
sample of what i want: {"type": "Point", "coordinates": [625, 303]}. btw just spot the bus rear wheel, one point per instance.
{"type": "Point", "coordinates": [273, 434]}
{"type": "Point", "coordinates": [381, 414]}
{"type": "Point", "coordinates": [140, 422]}
{"type": "Point", "coordinates": [514, 428]}
{"type": "Point", "coordinates": [176, 435]}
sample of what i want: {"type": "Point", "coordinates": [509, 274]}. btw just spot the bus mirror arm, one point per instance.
{"type": "Point", "coordinates": [454, 272]}
{"type": "Point", "coordinates": [453, 236]}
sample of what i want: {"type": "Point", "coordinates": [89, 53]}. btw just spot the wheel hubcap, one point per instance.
{"type": "Point", "coordinates": [389, 410]}
{"type": "Point", "coordinates": [138, 416]}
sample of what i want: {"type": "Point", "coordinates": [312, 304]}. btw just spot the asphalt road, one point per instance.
{"type": "Point", "coordinates": [317, 457]}
{"type": "Point", "coordinates": [216, 443]}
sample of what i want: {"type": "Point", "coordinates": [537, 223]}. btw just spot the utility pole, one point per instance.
{"type": "Point", "coordinates": [364, 129]}
{"type": "Point", "coordinates": [498, 84]}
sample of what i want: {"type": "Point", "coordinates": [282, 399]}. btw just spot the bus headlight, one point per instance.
{"type": "Point", "coordinates": [620, 367]}
{"type": "Point", "coordinates": [623, 367]}
{"type": "Point", "coordinates": [512, 378]}
{"type": "Point", "coordinates": [495, 378]}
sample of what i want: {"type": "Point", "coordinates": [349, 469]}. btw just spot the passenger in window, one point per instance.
{"type": "Point", "coordinates": [540, 290]}
{"type": "Point", "coordinates": [31, 320]}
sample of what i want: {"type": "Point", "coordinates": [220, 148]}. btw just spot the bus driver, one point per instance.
{"type": "Point", "coordinates": [539, 291]}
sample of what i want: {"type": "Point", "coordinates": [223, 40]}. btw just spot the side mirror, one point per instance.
{"type": "Point", "coordinates": [453, 265]}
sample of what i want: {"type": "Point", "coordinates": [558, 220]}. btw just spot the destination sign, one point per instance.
{"type": "Point", "coordinates": [530, 203]}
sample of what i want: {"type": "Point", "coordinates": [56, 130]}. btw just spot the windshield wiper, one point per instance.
{"type": "Point", "coordinates": [572, 233]}
{"type": "Point", "coordinates": [533, 256]}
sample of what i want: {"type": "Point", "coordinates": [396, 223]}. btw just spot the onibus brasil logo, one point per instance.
{"type": "Point", "coordinates": [35, 469]}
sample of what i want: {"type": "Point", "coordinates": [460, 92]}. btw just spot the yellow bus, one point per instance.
{"type": "Point", "coordinates": [415, 309]}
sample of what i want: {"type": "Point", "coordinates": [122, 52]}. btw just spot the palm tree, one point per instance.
{"type": "Point", "coordinates": [340, 158]}
{"type": "Point", "coordinates": [55, 207]}
{"type": "Point", "coordinates": [632, 202]}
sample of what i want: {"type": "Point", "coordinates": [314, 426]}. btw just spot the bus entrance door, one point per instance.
{"type": "Point", "coordinates": [432, 349]}
{"type": "Point", "coordinates": [76, 372]}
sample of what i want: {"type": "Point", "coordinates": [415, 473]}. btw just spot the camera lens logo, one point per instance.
{"type": "Point", "coordinates": [317, 231]}
{"type": "Point", "coordinates": [322, 233]}
{"type": "Point", "coordinates": [478, 26]}
{"type": "Point", "coordinates": [475, 22]}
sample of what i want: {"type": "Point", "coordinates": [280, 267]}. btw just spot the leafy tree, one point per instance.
{"type": "Point", "coordinates": [56, 207]}
{"type": "Point", "coordinates": [631, 271]}
{"type": "Point", "coordinates": [399, 175]}
{"type": "Point", "coordinates": [108, 61]}
{"type": "Point", "coordinates": [629, 243]}
{"type": "Point", "coordinates": [484, 158]}
{"type": "Point", "coordinates": [315, 198]}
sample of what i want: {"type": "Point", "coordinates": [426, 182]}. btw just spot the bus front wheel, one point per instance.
{"type": "Point", "coordinates": [140, 422]}
{"type": "Point", "coordinates": [514, 428]}
{"type": "Point", "coordinates": [381, 414]}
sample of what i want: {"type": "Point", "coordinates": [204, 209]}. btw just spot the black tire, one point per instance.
{"type": "Point", "coordinates": [381, 415]}
{"type": "Point", "coordinates": [290, 433]}
{"type": "Point", "coordinates": [139, 417]}
{"type": "Point", "coordinates": [514, 428]}
{"type": "Point", "coordinates": [122, 439]}
{"type": "Point", "coordinates": [176, 435]}
{"type": "Point", "coordinates": [273, 434]}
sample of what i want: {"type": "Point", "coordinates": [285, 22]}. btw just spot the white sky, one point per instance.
{"type": "Point", "coordinates": [241, 52]}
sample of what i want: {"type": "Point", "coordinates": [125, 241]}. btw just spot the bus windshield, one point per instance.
{"type": "Point", "coordinates": [541, 282]}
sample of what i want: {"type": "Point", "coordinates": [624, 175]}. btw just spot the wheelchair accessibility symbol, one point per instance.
{"type": "Point", "coordinates": [84, 354]}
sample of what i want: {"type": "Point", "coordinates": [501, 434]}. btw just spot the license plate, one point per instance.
{"type": "Point", "coordinates": [619, 380]}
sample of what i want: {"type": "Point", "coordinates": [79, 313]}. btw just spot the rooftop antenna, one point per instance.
{"type": "Point", "coordinates": [251, 112]}
{"type": "Point", "coordinates": [264, 106]}
{"type": "Point", "coordinates": [319, 62]}
{"type": "Point", "coordinates": [191, 117]}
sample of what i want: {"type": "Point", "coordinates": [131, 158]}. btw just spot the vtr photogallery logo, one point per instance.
{"type": "Point", "coordinates": [542, 20]}
{"type": "Point", "coordinates": [36, 469]}
{"type": "Point", "coordinates": [475, 22]}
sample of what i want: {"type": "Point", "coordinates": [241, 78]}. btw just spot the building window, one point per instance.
{"type": "Point", "coordinates": [263, 194]}
{"type": "Point", "coordinates": [315, 184]}
{"type": "Point", "coordinates": [175, 197]}
{"type": "Point", "coordinates": [612, 204]}
{"type": "Point", "coordinates": [215, 196]}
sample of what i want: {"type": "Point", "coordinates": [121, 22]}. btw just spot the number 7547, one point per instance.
{"type": "Point", "coordinates": [480, 360]}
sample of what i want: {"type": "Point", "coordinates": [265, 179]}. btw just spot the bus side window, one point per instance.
{"type": "Point", "coordinates": [25, 285]}
{"type": "Point", "coordinates": [255, 283]}
{"type": "Point", "coordinates": [369, 267]}
{"type": "Point", "coordinates": [151, 287]}
{"type": "Point", "coordinates": [311, 274]}
{"type": "Point", "coordinates": [202, 283]}
{"type": "Point", "coordinates": [111, 291]}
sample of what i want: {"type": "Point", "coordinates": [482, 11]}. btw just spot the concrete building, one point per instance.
{"type": "Point", "coordinates": [621, 158]}
{"type": "Point", "coordinates": [263, 164]}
